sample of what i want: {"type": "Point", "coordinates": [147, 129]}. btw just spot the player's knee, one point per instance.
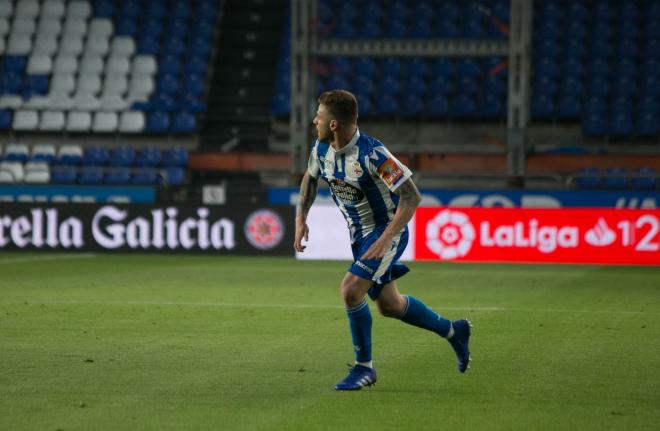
{"type": "Point", "coordinates": [392, 307]}
{"type": "Point", "coordinates": [351, 294]}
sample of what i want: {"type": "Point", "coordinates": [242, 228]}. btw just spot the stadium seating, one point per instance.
{"type": "Point", "coordinates": [79, 66]}
{"type": "Point", "coordinates": [71, 164]}
{"type": "Point", "coordinates": [596, 63]}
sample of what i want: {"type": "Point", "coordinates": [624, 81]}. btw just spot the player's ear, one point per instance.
{"type": "Point", "coordinates": [333, 125]}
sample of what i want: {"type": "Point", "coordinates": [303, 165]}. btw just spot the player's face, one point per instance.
{"type": "Point", "coordinates": [322, 122]}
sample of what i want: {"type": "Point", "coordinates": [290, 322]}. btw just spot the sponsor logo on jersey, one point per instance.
{"type": "Point", "coordinates": [390, 171]}
{"type": "Point", "coordinates": [264, 229]}
{"type": "Point", "coordinates": [345, 192]}
{"type": "Point", "coordinates": [365, 267]}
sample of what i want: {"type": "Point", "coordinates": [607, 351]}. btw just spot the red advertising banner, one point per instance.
{"type": "Point", "coordinates": [616, 236]}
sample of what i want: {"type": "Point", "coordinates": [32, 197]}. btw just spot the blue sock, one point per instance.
{"type": "Point", "coordinates": [418, 314]}
{"type": "Point", "coordinates": [359, 320]}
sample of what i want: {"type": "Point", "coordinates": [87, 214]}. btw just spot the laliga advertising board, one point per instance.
{"type": "Point", "coordinates": [589, 236]}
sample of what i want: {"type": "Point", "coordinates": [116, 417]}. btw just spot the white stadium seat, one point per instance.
{"type": "Point", "coordinates": [62, 83]}
{"type": "Point", "coordinates": [37, 102]}
{"type": "Point", "coordinates": [37, 172]}
{"type": "Point", "coordinates": [71, 45]}
{"type": "Point", "coordinates": [86, 102]}
{"type": "Point", "coordinates": [105, 122]}
{"type": "Point", "coordinates": [19, 44]}
{"type": "Point", "coordinates": [65, 64]}
{"type": "Point", "coordinates": [88, 83]}
{"type": "Point", "coordinates": [49, 27]}
{"type": "Point", "coordinates": [78, 9]}
{"type": "Point", "coordinates": [70, 150]}
{"type": "Point", "coordinates": [97, 46]}
{"type": "Point", "coordinates": [123, 46]}
{"type": "Point", "coordinates": [23, 26]}
{"type": "Point", "coordinates": [75, 27]}
{"type": "Point", "coordinates": [21, 150]}
{"type": "Point", "coordinates": [60, 101]}
{"type": "Point", "coordinates": [115, 84]}
{"type": "Point", "coordinates": [100, 27]}
{"type": "Point", "coordinates": [45, 44]}
{"type": "Point", "coordinates": [51, 121]}
{"type": "Point", "coordinates": [113, 103]}
{"type": "Point", "coordinates": [25, 120]}
{"type": "Point", "coordinates": [6, 8]}
{"type": "Point", "coordinates": [27, 8]}
{"type": "Point", "coordinates": [117, 66]}
{"type": "Point", "coordinates": [143, 65]}
{"type": "Point", "coordinates": [39, 64]}
{"type": "Point", "coordinates": [13, 102]}
{"type": "Point", "coordinates": [140, 85]}
{"type": "Point", "coordinates": [11, 172]}
{"type": "Point", "coordinates": [78, 121]}
{"type": "Point", "coordinates": [131, 121]}
{"type": "Point", "coordinates": [53, 9]}
{"type": "Point", "coordinates": [90, 64]}
{"type": "Point", "coordinates": [44, 150]}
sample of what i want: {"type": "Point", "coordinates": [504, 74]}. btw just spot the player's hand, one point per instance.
{"type": "Point", "coordinates": [302, 232]}
{"type": "Point", "coordinates": [377, 249]}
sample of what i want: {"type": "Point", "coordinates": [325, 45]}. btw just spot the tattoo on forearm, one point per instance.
{"type": "Point", "coordinates": [308, 189]}
{"type": "Point", "coordinates": [408, 193]}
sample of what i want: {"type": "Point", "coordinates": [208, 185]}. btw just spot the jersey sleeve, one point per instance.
{"type": "Point", "coordinates": [382, 164]}
{"type": "Point", "coordinates": [313, 163]}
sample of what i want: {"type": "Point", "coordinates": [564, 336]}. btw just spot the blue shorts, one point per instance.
{"type": "Point", "coordinates": [380, 271]}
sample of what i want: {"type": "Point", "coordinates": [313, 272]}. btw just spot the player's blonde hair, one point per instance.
{"type": "Point", "coordinates": [341, 104]}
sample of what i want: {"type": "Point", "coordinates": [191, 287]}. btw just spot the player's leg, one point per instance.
{"type": "Point", "coordinates": [353, 292]}
{"type": "Point", "coordinates": [411, 310]}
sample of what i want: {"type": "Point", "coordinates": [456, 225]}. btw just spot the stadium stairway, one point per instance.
{"type": "Point", "coordinates": [241, 88]}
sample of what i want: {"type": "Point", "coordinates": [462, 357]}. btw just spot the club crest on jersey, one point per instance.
{"type": "Point", "coordinates": [357, 169]}
{"type": "Point", "coordinates": [329, 165]}
{"type": "Point", "coordinates": [390, 171]}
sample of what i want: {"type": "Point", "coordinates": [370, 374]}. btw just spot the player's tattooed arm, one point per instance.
{"type": "Point", "coordinates": [308, 189]}
{"type": "Point", "coordinates": [409, 198]}
{"type": "Point", "coordinates": [408, 194]}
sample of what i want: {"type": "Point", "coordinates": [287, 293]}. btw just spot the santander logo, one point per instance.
{"type": "Point", "coordinates": [600, 235]}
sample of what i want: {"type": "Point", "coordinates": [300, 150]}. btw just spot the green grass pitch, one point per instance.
{"type": "Point", "coordinates": [131, 342]}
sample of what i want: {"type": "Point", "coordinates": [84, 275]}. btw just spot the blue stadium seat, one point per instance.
{"type": "Point", "coordinates": [387, 105]}
{"type": "Point", "coordinates": [364, 66]}
{"type": "Point", "coordinates": [14, 63]}
{"type": "Point", "coordinates": [194, 84]}
{"type": "Point", "coordinates": [191, 103]}
{"type": "Point", "coordinates": [491, 107]}
{"type": "Point", "coordinates": [648, 124]}
{"type": "Point", "coordinates": [370, 30]}
{"type": "Point", "coordinates": [158, 122]}
{"type": "Point", "coordinates": [390, 67]}
{"type": "Point", "coordinates": [63, 174]}
{"type": "Point", "coordinates": [447, 29]}
{"type": "Point", "coordinates": [144, 176]}
{"type": "Point", "coordinates": [440, 85]}
{"type": "Point", "coordinates": [96, 156]}
{"type": "Point", "coordinates": [469, 67]}
{"type": "Point", "coordinates": [615, 178]}
{"type": "Point", "coordinates": [438, 106]}
{"type": "Point", "coordinates": [173, 176]}
{"type": "Point", "coordinates": [588, 178]}
{"type": "Point", "coordinates": [417, 66]}
{"type": "Point", "coordinates": [175, 157]}
{"type": "Point", "coordinates": [125, 26]}
{"type": "Point", "coordinates": [442, 66]}
{"type": "Point", "coordinates": [130, 8]}
{"type": "Point", "coordinates": [91, 175]}
{"type": "Point", "coordinates": [122, 156]}
{"type": "Point", "coordinates": [389, 86]}
{"type": "Point", "coordinates": [148, 157]}
{"type": "Point", "coordinates": [569, 108]}
{"type": "Point", "coordinates": [543, 107]}
{"type": "Point", "coordinates": [593, 125]}
{"type": "Point", "coordinates": [148, 44]}
{"type": "Point", "coordinates": [396, 29]}
{"type": "Point", "coordinates": [104, 8]}
{"type": "Point", "coordinates": [117, 175]}
{"type": "Point", "coordinates": [644, 178]}
{"type": "Point", "coordinates": [6, 118]}
{"type": "Point", "coordinates": [167, 84]}
{"type": "Point", "coordinates": [415, 85]}
{"type": "Point", "coordinates": [184, 122]}
{"type": "Point", "coordinates": [37, 84]}
{"type": "Point", "coordinates": [621, 125]}
{"type": "Point", "coordinates": [463, 107]}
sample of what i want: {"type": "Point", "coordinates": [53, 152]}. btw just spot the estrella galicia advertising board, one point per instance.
{"type": "Point", "coordinates": [245, 230]}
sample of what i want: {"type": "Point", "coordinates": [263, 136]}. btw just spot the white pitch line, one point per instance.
{"type": "Point", "coordinates": [46, 258]}
{"type": "Point", "coordinates": [315, 306]}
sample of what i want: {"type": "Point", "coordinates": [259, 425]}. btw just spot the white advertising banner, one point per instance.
{"type": "Point", "coordinates": [329, 238]}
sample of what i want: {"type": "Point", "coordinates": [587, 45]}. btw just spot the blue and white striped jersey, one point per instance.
{"type": "Point", "coordinates": [362, 177]}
